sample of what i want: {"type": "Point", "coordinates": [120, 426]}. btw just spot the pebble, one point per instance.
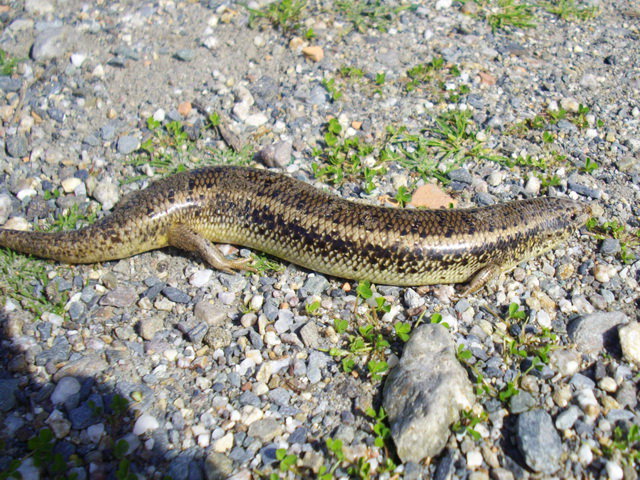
{"type": "Point", "coordinates": [200, 278]}
{"type": "Point", "coordinates": [16, 146]}
{"type": "Point", "coordinates": [128, 144]}
{"type": "Point", "coordinates": [630, 342]}
{"type": "Point", "coordinates": [422, 406]}
{"type": "Point", "coordinates": [604, 273]}
{"type": "Point", "coordinates": [70, 184]}
{"type": "Point", "coordinates": [256, 120]}
{"type": "Point", "coordinates": [461, 175]}
{"type": "Point", "coordinates": [266, 429]}
{"type": "Point", "coordinates": [5, 208]}
{"type": "Point", "coordinates": [150, 326]}
{"type": "Point", "coordinates": [591, 333]}
{"type": "Point", "coordinates": [145, 423]}
{"type": "Point", "coordinates": [210, 313]}
{"type": "Point", "coordinates": [50, 43]}
{"type": "Point", "coordinates": [107, 193]}
{"type": "Point", "coordinates": [8, 390]}
{"type": "Point", "coordinates": [277, 155]}
{"type": "Point", "coordinates": [614, 471]}
{"type": "Point", "coordinates": [119, 297]}
{"type": "Point", "coordinates": [566, 419]}
{"type": "Point", "coordinates": [185, 55]}
{"type": "Point", "coordinates": [224, 443]}
{"type": "Point", "coordinates": [65, 389]}
{"type": "Point", "coordinates": [539, 441]}
{"type": "Point", "coordinates": [313, 53]}
{"type": "Point", "coordinates": [38, 7]}
{"type": "Point", "coordinates": [610, 246]}
{"type": "Point", "coordinates": [533, 185]}
{"type": "Point", "coordinates": [176, 295]}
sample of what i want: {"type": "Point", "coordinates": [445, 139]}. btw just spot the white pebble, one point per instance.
{"type": "Point", "coordinates": [223, 444]}
{"type": "Point", "coordinates": [77, 59]}
{"type": "Point", "coordinates": [630, 342]}
{"type": "Point", "coordinates": [70, 184]}
{"type": "Point", "coordinates": [159, 115]}
{"type": "Point", "coordinates": [603, 272]}
{"type": "Point", "coordinates": [251, 414]}
{"type": "Point", "coordinates": [271, 339]}
{"type": "Point", "coordinates": [144, 424]}
{"type": "Point", "coordinates": [533, 185]}
{"type": "Point", "coordinates": [204, 440]}
{"type": "Point", "coordinates": [585, 455]}
{"type": "Point", "coordinates": [170, 354]}
{"type": "Point", "coordinates": [474, 459]}
{"type": "Point", "coordinates": [95, 432]}
{"type": "Point", "coordinates": [66, 387]}
{"type": "Point", "coordinates": [25, 193]}
{"type": "Point", "coordinates": [107, 193]}
{"type": "Point", "coordinates": [614, 471]}
{"type": "Point", "coordinates": [608, 384]}
{"type": "Point", "coordinates": [256, 120]}
{"type": "Point", "coordinates": [200, 278]}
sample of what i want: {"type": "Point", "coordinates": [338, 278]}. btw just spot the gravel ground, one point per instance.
{"type": "Point", "coordinates": [160, 367]}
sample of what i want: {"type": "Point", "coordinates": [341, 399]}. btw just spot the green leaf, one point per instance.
{"type": "Point", "coordinates": [340, 325]}
{"type": "Point", "coordinates": [364, 289]}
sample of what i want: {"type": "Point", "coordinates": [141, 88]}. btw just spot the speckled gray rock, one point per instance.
{"type": "Point", "coordinates": [119, 297]}
{"type": "Point", "coordinates": [595, 331]}
{"type": "Point", "coordinates": [128, 144]}
{"type": "Point", "coordinates": [8, 389]}
{"type": "Point", "coordinates": [422, 402]}
{"type": "Point", "coordinates": [86, 366]}
{"type": "Point", "coordinates": [51, 43]}
{"type": "Point", "coordinates": [265, 429]}
{"type": "Point", "coordinates": [217, 337]}
{"type": "Point", "coordinates": [539, 441]}
{"type": "Point", "coordinates": [276, 155]}
{"type": "Point", "coordinates": [16, 146]}
{"type": "Point", "coordinates": [5, 208]}
{"type": "Point", "coordinates": [218, 466]}
{"type": "Point", "coordinates": [107, 194]}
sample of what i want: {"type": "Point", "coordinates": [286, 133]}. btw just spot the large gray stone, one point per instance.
{"type": "Point", "coordinates": [424, 393]}
{"type": "Point", "coordinates": [592, 333]}
{"type": "Point", "coordinates": [539, 441]}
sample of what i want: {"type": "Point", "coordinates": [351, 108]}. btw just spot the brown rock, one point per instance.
{"type": "Point", "coordinates": [315, 54]}
{"type": "Point", "coordinates": [431, 196]}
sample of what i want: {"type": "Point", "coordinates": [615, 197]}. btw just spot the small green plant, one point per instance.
{"type": "Point", "coordinates": [463, 353]}
{"type": "Point", "coordinates": [515, 313]}
{"type": "Point", "coordinates": [380, 428]}
{"type": "Point", "coordinates": [344, 159]}
{"type": "Point", "coordinates": [312, 308]}
{"type": "Point", "coordinates": [329, 85]}
{"type": "Point", "coordinates": [24, 279]}
{"type": "Point", "coordinates": [287, 461]}
{"type": "Point", "coordinates": [366, 14]}
{"type": "Point", "coordinates": [569, 10]}
{"type": "Point", "coordinates": [629, 241]}
{"type": "Point", "coordinates": [509, 391]}
{"type": "Point", "coordinates": [626, 443]}
{"type": "Point", "coordinates": [72, 219]}
{"type": "Point", "coordinates": [590, 166]}
{"type": "Point", "coordinates": [402, 330]}
{"type": "Point", "coordinates": [284, 14]}
{"type": "Point", "coordinates": [380, 78]}
{"type": "Point", "coordinates": [403, 196]}
{"type": "Point", "coordinates": [508, 14]}
{"type": "Point", "coordinates": [437, 318]}
{"type": "Point", "coordinates": [8, 64]}
{"type": "Point", "coordinates": [264, 263]}
{"type": "Point", "coordinates": [351, 72]}
{"type": "Point", "coordinates": [468, 422]}
{"type": "Point", "coordinates": [548, 137]}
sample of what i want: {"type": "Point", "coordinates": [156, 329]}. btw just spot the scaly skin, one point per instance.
{"type": "Point", "coordinates": [292, 220]}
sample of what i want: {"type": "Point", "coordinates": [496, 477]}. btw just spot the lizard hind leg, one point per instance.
{"type": "Point", "coordinates": [182, 237]}
{"type": "Point", "coordinates": [480, 279]}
